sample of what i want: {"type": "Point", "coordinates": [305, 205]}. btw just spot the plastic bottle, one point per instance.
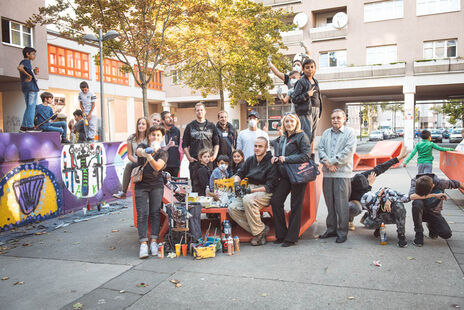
{"type": "Point", "coordinates": [383, 234]}
{"type": "Point", "coordinates": [230, 246]}
{"type": "Point", "coordinates": [236, 244]}
{"type": "Point", "coordinates": [207, 190]}
{"type": "Point", "coordinates": [227, 229]}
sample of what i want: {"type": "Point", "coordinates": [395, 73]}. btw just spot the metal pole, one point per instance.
{"type": "Point", "coordinates": [102, 99]}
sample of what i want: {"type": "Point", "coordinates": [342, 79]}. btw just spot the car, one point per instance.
{"type": "Point", "coordinates": [436, 135]}
{"type": "Point", "coordinates": [376, 135]}
{"type": "Point", "coordinates": [455, 135]}
{"type": "Point", "coordinates": [400, 132]}
{"type": "Point", "coordinates": [445, 134]}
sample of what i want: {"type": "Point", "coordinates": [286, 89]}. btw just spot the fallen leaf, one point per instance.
{"type": "Point", "coordinates": [78, 306]}
{"type": "Point", "coordinates": [122, 291]}
{"type": "Point", "coordinates": [178, 285]}
{"type": "Point", "coordinates": [40, 233]}
{"type": "Point", "coordinates": [76, 243]}
{"type": "Point", "coordinates": [115, 230]}
{"type": "Point", "coordinates": [410, 258]}
{"type": "Point", "coordinates": [455, 306]}
{"type": "Point", "coordinates": [174, 281]}
{"type": "Point", "coordinates": [142, 284]}
{"type": "Point", "coordinates": [350, 297]}
{"type": "Point", "coordinates": [264, 294]}
{"type": "Point", "coordinates": [439, 262]}
{"type": "Point", "coordinates": [112, 248]}
{"type": "Point", "coordinates": [72, 291]}
{"type": "Point", "coordinates": [326, 269]}
{"type": "Point", "coordinates": [451, 222]}
{"type": "Point", "coordinates": [5, 278]}
{"type": "Point", "coordinates": [65, 231]}
{"type": "Point", "coordinates": [26, 244]}
{"type": "Point", "coordinates": [19, 283]}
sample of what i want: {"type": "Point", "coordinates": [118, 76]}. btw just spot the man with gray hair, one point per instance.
{"type": "Point", "coordinates": [336, 150]}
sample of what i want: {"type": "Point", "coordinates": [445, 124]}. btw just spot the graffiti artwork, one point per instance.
{"type": "Point", "coordinates": [120, 160]}
{"type": "Point", "coordinates": [28, 193]}
{"type": "Point", "coordinates": [83, 168]}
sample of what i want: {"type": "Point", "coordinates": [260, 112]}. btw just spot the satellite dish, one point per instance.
{"type": "Point", "coordinates": [300, 20]}
{"type": "Point", "coordinates": [340, 20]}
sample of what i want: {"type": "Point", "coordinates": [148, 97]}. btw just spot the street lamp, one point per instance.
{"type": "Point", "coordinates": [110, 35]}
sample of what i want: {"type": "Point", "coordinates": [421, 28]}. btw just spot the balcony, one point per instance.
{"type": "Point", "coordinates": [328, 32]}
{"type": "Point", "coordinates": [428, 66]}
{"type": "Point", "coordinates": [361, 72]}
{"type": "Point", "coordinates": [278, 2]}
{"type": "Point", "coordinates": [292, 37]}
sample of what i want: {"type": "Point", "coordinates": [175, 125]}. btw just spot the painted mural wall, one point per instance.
{"type": "Point", "coordinates": [40, 178]}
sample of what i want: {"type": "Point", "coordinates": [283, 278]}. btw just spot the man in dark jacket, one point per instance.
{"type": "Point", "coordinates": [427, 193]}
{"type": "Point", "coordinates": [199, 134]}
{"type": "Point", "coordinates": [227, 135]}
{"type": "Point", "coordinates": [262, 176]}
{"type": "Point", "coordinates": [307, 99]}
{"type": "Point", "coordinates": [172, 139]}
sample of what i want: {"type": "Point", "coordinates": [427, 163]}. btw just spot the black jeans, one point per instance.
{"type": "Point", "coordinates": [148, 205]}
{"type": "Point", "coordinates": [291, 233]}
{"type": "Point", "coordinates": [421, 212]}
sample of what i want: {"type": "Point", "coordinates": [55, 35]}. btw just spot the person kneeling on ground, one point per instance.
{"type": "Point", "coordinates": [44, 114]}
{"type": "Point", "coordinates": [386, 206]}
{"type": "Point", "coordinates": [427, 193]}
{"type": "Point", "coordinates": [362, 182]}
{"type": "Point", "coordinates": [262, 176]}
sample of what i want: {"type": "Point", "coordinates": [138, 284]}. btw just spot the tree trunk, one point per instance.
{"type": "Point", "coordinates": [221, 92]}
{"type": "Point", "coordinates": [145, 99]}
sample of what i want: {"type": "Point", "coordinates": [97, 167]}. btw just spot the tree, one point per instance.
{"type": "Point", "coordinates": [455, 110]}
{"type": "Point", "coordinates": [394, 108]}
{"type": "Point", "coordinates": [369, 115]}
{"type": "Point", "coordinates": [153, 32]}
{"type": "Point", "coordinates": [231, 53]}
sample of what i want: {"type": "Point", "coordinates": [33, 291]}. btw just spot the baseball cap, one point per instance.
{"type": "Point", "coordinates": [253, 113]}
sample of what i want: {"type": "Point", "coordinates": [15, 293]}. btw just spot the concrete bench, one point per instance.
{"type": "Point", "coordinates": [380, 153]}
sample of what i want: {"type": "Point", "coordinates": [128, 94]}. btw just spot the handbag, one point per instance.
{"type": "Point", "coordinates": [137, 173]}
{"type": "Point", "coordinates": [302, 172]}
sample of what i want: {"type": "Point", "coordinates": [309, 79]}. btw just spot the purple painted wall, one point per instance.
{"type": "Point", "coordinates": [45, 151]}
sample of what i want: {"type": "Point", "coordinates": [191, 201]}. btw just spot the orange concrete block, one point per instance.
{"type": "Point", "coordinates": [452, 165]}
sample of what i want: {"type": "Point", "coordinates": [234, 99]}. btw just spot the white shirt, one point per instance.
{"type": "Point", "coordinates": [460, 147]}
{"type": "Point", "coordinates": [87, 100]}
{"type": "Point", "coordinates": [246, 140]}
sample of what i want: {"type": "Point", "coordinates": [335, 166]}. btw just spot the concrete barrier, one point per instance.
{"type": "Point", "coordinates": [452, 165]}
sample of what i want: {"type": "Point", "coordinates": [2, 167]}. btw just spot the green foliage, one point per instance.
{"type": "Point", "coordinates": [455, 110]}
{"type": "Point", "coordinates": [231, 52]}
{"type": "Point", "coordinates": [152, 31]}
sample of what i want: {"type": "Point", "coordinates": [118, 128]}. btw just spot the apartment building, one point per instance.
{"type": "Point", "coordinates": [380, 51]}
{"type": "Point", "coordinates": [63, 65]}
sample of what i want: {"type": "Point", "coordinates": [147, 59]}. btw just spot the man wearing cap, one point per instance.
{"type": "Point", "coordinates": [246, 138]}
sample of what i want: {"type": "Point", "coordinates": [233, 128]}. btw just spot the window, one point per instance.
{"type": "Point", "coordinates": [156, 81]}
{"type": "Point", "coordinates": [113, 72]}
{"type": "Point", "coordinates": [332, 59]}
{"type": "Point", "coordinates": [16, 33]}
{"type": "Point", "coordinates": [68, 62]}
{"type": "Point", "coordinates": [425, 7]}
{"type": "Point", "coordinates": [381, 54]}
{"type": "Point", "coordinates": [383, 10]}
{"type": "Point", "coordinates": [440, 49]}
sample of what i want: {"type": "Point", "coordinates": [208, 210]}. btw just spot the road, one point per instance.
{"type": "Point", "coordinates": [365, 146]}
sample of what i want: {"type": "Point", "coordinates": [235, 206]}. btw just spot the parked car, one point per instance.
{"type": "Point", "coordinates": [455, 135]}
{"type": "Point", "coordinates": [445, 134]}
{"type": "Point", "coordinates": [400, 132]}
{"type": "Point", "coordinates": [436, 135]}
{"type": "Point", "coordinates": [376, 135]}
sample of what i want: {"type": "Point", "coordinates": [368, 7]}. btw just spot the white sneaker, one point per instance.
{"type": "Point", "coordinates": [143, 253]}
{"type": "Point", "coordinates": [154, 248]}
{"type": "Point", "coordinates": [120, 195]}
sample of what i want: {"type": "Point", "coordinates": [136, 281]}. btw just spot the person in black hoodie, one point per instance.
{"type": "Point", "coordinates": [262, 176]}
{"type": "Point", "coordinates": [238, 160]}
{"type": "Point", "coordinates": [307, 99]}
{"type": "Point", "coordinates": [293, 148]}
{"type": "Point", "coordinates": [362, 182]}
{"type": "Point", "coordinates": [203, 173]}
{"type": "Point", "coordinates": [227, 135]}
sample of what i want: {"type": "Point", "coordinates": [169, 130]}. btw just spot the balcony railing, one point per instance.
{"type": "Point", "coordinates": [361, 72]}
{"type": "Point", "coordinates": [278, 2]}
{"type": "Point", "coordinates": [438, 65]}
{"type": "Point", "coordinates": [292, 37]}
{"type": "Point", "coordinates": [328, 32]}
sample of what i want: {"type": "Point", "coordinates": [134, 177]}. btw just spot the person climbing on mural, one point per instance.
{"type": "Point", "coordinates": [44, 114]}
{"type": "Point", "coordinates": [29, 88]}
{"type": "Point", "coordinates": [87, 104]}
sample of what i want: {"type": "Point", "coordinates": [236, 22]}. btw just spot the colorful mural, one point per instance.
{"type": "Point", "coordinates": [83, 168]}
{"type": "Point", "coordinates": [120, 160]}
{"type": "Point", "coordinates": [28, 193]}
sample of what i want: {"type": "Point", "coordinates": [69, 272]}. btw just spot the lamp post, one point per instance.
{"type": "Point", "coordinates": [110, 35]}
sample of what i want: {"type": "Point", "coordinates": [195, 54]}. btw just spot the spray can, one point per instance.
{"type": "Point", "coordinates": [230, 246]}
{"type": "Point", "coordinates": [383, 234]}
{"type": "Point", "coordinates": [161, 250]}
{"type": "Point", "coordinates": [236, 244]}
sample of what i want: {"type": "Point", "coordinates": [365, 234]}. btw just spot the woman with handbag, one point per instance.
{"type": "Point", "coordinates": [293, 148]}
{"type": "Point", "coordinates": [149, 188]}
{"type": "Point", "coordinates": [140, 136]}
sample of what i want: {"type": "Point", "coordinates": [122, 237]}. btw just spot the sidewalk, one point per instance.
{"type": "Point", "coordinates": [95, 263]}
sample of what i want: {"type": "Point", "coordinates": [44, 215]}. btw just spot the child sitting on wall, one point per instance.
{"type": "Point", "coordinates": [44, 114]}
